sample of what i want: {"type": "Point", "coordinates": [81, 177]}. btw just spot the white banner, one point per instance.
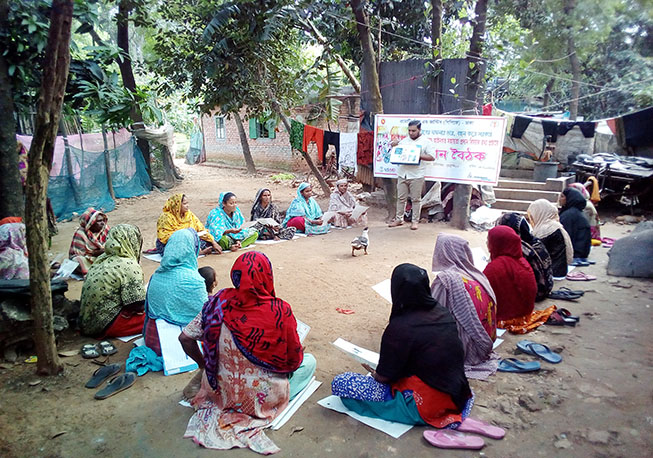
{"type": "Point", "coordinates": [467, 148]}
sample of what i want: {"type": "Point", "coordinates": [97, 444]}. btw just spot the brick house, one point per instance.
{"type": "Point", "coordinates": [270, 144]}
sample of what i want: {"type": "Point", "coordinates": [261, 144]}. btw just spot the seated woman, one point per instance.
{"type": "Point", "coordinates": [113, 293]}
{"type": "Point", "coordinates": [225, 224]}
{"type": "Point", "coordinates": [176, 292]}
{"type": "Point", "coordinates": [590, 210]}
{"type": "Point", "coordinates": [420, 378]}
{"type": "Point", "coordinates": [252, 358]}
{"type": "Point", "coordinates": [463, 290]}
{"type": "Point", "coordinates": [13, 252]}
{"type": "Point", "coordinates": [305, 214]}
{"type": "Point", "coordinates": [343, 203]}
{"type": "Point", "coordinates": [576, 223]}
{"type": "Point", "coordinates": [513, 282]}
{"type": "Point", "coordinates": [534, 252]}
{"type": "Point", "coordinates": [264, 209]}
{"type": "Point", "coordinates": [543, 216]}
{"type": "Point", "coordinates": [88, 239]}
{"type": "Point", "coordinates": [176, 216]}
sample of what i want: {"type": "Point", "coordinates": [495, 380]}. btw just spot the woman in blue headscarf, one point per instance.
{"type": "Point", "coordinates": [305, 214]}
{"type": "Point", "coordinates": [225, 224]}
{"type": "Point", "coordinates": [177, 291]}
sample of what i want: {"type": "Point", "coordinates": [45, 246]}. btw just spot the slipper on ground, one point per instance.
{"type": "Point", "coordinates": [476, 426]}
{"type": "Point", "coordinates": [89, 351]}
{"type": "Point", "coordinates": [102, 374]}
{"type": "Point", "coordinates": [540, 350]}
{"type": "Point", "coordinates": [447, 438]}
{"type": "Point", "coordinates": [107, 348]}
{"type": "Point", "coordinates": [579, 276]}
{"type": "Point", "coordinates": [116, 385]}
{"type": "Point", "coordinates": [517, 366]}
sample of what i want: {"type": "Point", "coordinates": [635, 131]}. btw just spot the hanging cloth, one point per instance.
{"type": "Point", "coordinates": [520, 126]}
{"type": "Point", "coordinates": [348, 149]}
{"type": "Point", "coordinates": [331, 138]}
{"type": "Point", "coordinates": [365, 154]}
{"type": "Point", "coordinates": [550, 129]}
{"type": "Point", "coordinates": [313, 134]}
{"type": "Point", "coordinates": [296, 134]}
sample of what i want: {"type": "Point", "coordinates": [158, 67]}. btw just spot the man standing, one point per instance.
{"type": "Point", "coordinates": [410, 178]}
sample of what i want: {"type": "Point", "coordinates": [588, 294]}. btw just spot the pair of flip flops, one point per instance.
{"type": "Point", "coordinates": [580, 276]}
{"type": "Point", "coordinates": [566, 294]}
{"type": "Point", "coordinates": [516, 366]}
{"type": "Point", "coordinates": [562, 317]}
{"type": "Point", "coordinates": [540, 350]}
{"type": "Point", "coordinates": [115, 385]}
{"type": "Point", "coordinates": [455, 439]}
{"type": "Point", "coordinates": [104, 348]}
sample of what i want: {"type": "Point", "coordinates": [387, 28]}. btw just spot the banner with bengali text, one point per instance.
{"type": "Point", "coordinates": [467, 148]}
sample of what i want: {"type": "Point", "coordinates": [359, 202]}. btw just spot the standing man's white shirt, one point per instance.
{"type": "Point", "coordinates": [425, 146]}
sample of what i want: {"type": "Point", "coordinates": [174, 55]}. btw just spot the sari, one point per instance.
{"type": "Point", "coordinates": [85, 242]}
{"type": "Point", "coordinates": [114, 281]}
{"type": "Point", "coordinates": [341, 203]}
{"type": "Point", "coordinates": [307, 209]}
{"type": "Point", "coordinates": [13, 252]}
{"type": "Point", "coordinates": [250, 346]}
{"type": "Point", "coordinates": [463, 290]}
{"type": "Point", "coordinates": [422, 357]}
{"type": "Point", "coordinates": [219, 221]}
{"type": "Point", "coordinates": [267, 231]}
{"type": "Point", "coordinates": [171, 221]}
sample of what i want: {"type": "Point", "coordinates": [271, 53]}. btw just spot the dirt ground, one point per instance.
{"type": "Point", "coordinates": [597, 402]}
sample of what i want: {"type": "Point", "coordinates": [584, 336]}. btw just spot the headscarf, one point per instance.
{"type": "Point", "coordinates": [300, 207]}
{"type": "Point", "coordinates": [341, 201]}
{"type": "Point", "coordinates": [114, 280]}
{"type": "Point", "coordinates": [271, 211]}
{"type": "Point", "coordinates": [171, 220]}
{"type": "Point", "coordinates": [510, 274]}
{"type": "Point", "coordinates": [13, 252]}
{"type": "Point", "coordinates": [546, 221]}
{"type": "Point", "coordinates": [595, 197]}
{"type": "Point", "coordinates": [452, 253]}
{"type": "Point", "coordinates": [582, 189]}
{"type": "Point", "coordinates": [409, 288]}
{"type": "Point", "coordinates": [85, 241]}
{"type": "Point", "coordinates": [574, 199]}
{"type": "Point", "coordinates": [518, 224]}
{"type": "Point", "coordinates": [452, 258]}
{"type": "Point", "coordinates": [263, 325]}
{"type": "Point", "coordinates": [11, 219]}
{"type": "Point", "coordinates": [177, 291]}
{"type": "Point", "coordinates": [219, 221]}
{"type": "Point", "coordinates": [590, 209]}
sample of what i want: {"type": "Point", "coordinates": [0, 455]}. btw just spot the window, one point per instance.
{"type": "Point", "coordinates": [220, 131]}
{"type": "Point", "coordinates": [258, 129]}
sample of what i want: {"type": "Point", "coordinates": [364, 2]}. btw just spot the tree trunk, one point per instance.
{"type": "Point", "coordinates": [569, 6]}
{"type": "Point", "coordinates": [369, 64]}
{"type": "Point", "coordinates": [436, 43]}
{"type": "Point", "coordinates": [247, 154]}
{"type": "Point", "coordinates": [11, 187]}
{"type": "Point", "coordinates": [463, 192]}
{"type": "Point", "coordinates": [53, 87]}
{"type": "Point", "coordinates": [547, 94]}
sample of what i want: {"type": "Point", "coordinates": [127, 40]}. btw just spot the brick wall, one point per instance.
{"type": "Point", "coordinates": [267, 152]}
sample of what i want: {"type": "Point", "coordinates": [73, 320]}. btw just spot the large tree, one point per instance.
{"type": "Point", "coordinates": [53, 86]}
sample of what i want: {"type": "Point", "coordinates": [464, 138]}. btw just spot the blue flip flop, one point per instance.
{"type": "Point", "coordinates": [515, 365]}
{"type": "Point", "coordinates": [539, 350]}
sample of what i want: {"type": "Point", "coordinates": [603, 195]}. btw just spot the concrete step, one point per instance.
{"type": "Point", "coordinates": [519, 174]}
{"type": "Point", "coordinates": [525, 194]}
{"type": "Point", "coordinates": [521, 184]}
{"type": "Point", "coordinates": [511, 205]}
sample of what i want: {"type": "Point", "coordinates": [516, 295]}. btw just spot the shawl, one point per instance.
{"type": "Point", "coordinates": [590, 209]}
{"type": "Point", "coordinates": [177, 291]}
{"type": "Point", "coordinates": [171, 220]}
{"type": "Point", "coordinates": [452, 258]}
{"type": "Point", "coordinates": [114, 280]}
{"type": "Point", "coordinates": [342, 202]}
{"type": "Point", "coordinates": [576, 223]}
{"type": "Point", "coordinates": [300, 207]}
{"type": "Point", "coordinates": [546, 221]}
{"type": "Point", "coordinates": [595, 197]}
{"type": "Point", "coordinates": [271, 211]}
{"type": "Point", "coordinates": [219, 221]}
{"type": "Point", "coordinates": [13, 252]}
{"type": "Point", "coordinates": [84, 241]}
{"type": "Point", "coordinates": [510, 274]}
{"type": "Point", "coordinates": [262, 325]}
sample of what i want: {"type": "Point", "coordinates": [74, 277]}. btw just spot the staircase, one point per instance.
{"type": "Point", "coordinates": [517, 191]}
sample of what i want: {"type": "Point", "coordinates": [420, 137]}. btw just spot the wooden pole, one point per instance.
{"type": "Point", "coordinates": [107, 163]}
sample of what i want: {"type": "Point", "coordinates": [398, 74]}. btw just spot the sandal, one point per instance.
{"type": "Point", "coordinates": [102, 374]}
{"type": "Point", "coordinates": [564, 295]}
{"type": "Point", "coordinates": [580, 292]}
{"type": "Point", "coordinates": [446, 438]}
{"type": "Point", "coordinates": [567, 315]}
{"type": "Point", "coordinates": [539, 350]}
{"type": "Point", "coordinates": [580, 276]}
{"type": "Point", "coordinates": [116, 385]}
{"type": "Point", "coordinates": [517, 366]}
{"type": "Point", "coordinates": [89, 351]}
{"type": "Point", "coordinates": [556, 319]}
{"type": "Point", "coordinates": [107, 348]}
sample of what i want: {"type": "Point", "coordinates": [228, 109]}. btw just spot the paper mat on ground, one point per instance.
{"type": "Point", "coordinates": [358, 353]}
{"type": "Point", "coordinates": [383, 290]}
{"type": "Point", "coordinates": [139, 342]}
{"type": "Point", "coordinates": [358, 211]}
{"type": "Point", "coordinates": [391, 428]}
{"type": "Point", "coordinates": [175, 360]}
{"type": "Point", "coordinates": [66, 269]}
{"type": "Point", "coordinates": [156, 257]}
{"type": "Point", "coordinates": [496, 343]}
{"type": "Point", "coordinates": [500, 332]}
{"type": "Point", "coordinates": [302, 330]}
{"type": "Point", "coordinates": [326, 218]}
{"type": "Point", "coordinates": [295, 404]}
{"type": "Point", "coordinates": [128, 338]}
{"type": "Point", "coordinates": [272, 242]}
{"type": "Point", "coordinates": [480, 257]}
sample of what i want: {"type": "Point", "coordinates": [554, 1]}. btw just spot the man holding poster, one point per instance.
{"type": "Point", "coordinates": [410, 174]}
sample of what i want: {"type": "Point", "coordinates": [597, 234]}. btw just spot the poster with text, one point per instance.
{"type": "Point", "coordinates": [467, 148]}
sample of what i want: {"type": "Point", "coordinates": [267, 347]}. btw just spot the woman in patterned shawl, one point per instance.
{"type": "Point", "coordinates": [264, 208]}
{"type": "Point", "coordinates": [88, 239]}
{"type": "Point", "coordinates": [13, 252]}
{"type": "Point", "coordinates": [225, 224]}
{"type": "Point", "coordinates": [305, 213]}
{"type": "Point", "coordinates": [113, 293]}
{"type": "Point", "coordinates": [252, 357]}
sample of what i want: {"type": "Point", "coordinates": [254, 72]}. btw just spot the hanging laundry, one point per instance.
{"type": "Point", "coordinates": [550, 129]}
{"type": "Point", "coordinates": [637, 127]}
{"type": "Point", "coordinates": [586, 127]}
{"type": "Point", "coordinates": [348, 149]}
{"type": "Point", "coordinates": [520, 126]}
{"type": "Point", "coordinates": [331, 138]}
{"type": "Point", "coordinates": [487, 109]}
{"type": "Point", "coordinates": [365, 154]}
{"type": "Point", "coordinates": [296, 134]}
{"type": "Point", "coordinates": [313, 134]}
